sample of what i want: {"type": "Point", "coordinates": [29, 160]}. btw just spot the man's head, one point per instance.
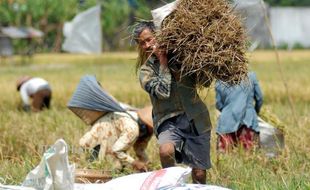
{"type": "Point", "coordinates": [143, 34]}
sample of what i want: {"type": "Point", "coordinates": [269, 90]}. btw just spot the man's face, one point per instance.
{"type": "Point", "coordinates": [146, 40]}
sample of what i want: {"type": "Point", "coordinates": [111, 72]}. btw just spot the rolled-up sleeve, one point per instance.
{"type": "Point", "coordinates": [157, 84]}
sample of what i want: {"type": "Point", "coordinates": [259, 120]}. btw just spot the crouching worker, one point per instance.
{"type": "Point", "coordinates": [34, 88]}
{"type": "Point", "coordinates": [239, 106]}
{"type": "Point", "coordinates": [116, 127]}
{"type": "Point", "coordinates": [117, 132]}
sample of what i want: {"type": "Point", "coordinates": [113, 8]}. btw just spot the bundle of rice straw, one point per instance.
{"type": "Point", "coordinates": [208, 39]}
{"type": "Point", "coordinates": [267, 115]}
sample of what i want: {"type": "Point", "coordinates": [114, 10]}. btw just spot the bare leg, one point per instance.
{"type": "Point", "coordinates": [140, 147]}
{"type": "Point", "coordinates": [166, 153]}
{"type": "Point", "coordinates": [199, 176]}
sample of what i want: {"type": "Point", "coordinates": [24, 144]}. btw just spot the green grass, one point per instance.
{"type": "Point", "coordinates": [22, 135]}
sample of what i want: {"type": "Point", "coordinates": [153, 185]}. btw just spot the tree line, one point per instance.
{"type": "Point", "coordinates": [49, 16]}
{"type": "Point", "coordinates": [288, 2]}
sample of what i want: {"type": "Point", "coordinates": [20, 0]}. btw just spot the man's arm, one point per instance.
{"type": "Point", "coordinates": [156, 84]}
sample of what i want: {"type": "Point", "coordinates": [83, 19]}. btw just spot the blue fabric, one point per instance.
{"type": "Point", "coordinates": [133, 3]}
{"type": "Point", "coordinates": [90, 95]}
{"type": "Point", "coordinates": [238, 104]}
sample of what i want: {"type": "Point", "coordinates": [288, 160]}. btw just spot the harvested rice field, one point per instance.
{"type": "Point", "coordinates": [23, 136]}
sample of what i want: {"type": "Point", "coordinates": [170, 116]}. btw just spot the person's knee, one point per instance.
{"type": "Point", "coordinates": [199, 176]}
{"type": "Point", "coordinates": [166, 153]}
{"type": "Point", "coordinates": [166, 150]}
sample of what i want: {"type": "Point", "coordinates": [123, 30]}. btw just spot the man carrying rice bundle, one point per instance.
{"type": "Point", "coordinates": [181, 120]}
{"type": "Point", "coordinates": [198, 41]}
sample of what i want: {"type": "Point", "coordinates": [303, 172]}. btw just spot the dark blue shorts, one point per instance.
{"type": "Point", "coordinates": [190, 148]}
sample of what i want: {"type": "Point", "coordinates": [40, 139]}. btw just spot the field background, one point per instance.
{"type": "Point", "coordinates": [23, 135]}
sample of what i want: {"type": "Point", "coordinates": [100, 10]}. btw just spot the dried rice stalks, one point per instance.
{"type": "Point", "coordinates": [207, 39]}
{"type": "Point", "coordinates": [267, 115]}
{"type": "Point", "coordinates": [92, 176]}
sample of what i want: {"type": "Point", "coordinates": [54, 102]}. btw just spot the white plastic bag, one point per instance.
{"type": "Point", "coordinates": [151, 180]}
{"type": "Point", "coordinates": [197, 186]}
{"type": "Point", "coordinates": [161, 13]}
{"type": "Point", "coordinates": [173, 178]}
{"type": "Point", "coordinates": [83, 34]}
{"type": "Point", "coordinates": [271, 139]}
{"type": "Point", "coordinates": [159, 179]}
{"type": "Point", "coordinates": [13, 187]}
{"type": "Point", "coordinates": [54, 171]}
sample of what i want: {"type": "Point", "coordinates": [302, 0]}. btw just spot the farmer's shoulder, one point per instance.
{"type": "Point", "coordinates": [150, 65]}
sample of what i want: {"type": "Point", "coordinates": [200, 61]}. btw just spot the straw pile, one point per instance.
{"type": "Point", "coordinates": [267, 115]}
{"type": "Point", "coordinates": [208, 39]}
{"type": "Point", "coordinates": [92, 176]}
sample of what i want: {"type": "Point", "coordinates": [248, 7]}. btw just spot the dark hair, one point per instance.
{"type": "Point", "coordinates": [140, 26]}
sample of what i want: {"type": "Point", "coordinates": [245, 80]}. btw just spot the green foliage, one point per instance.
{"type": "Point", "coordinates": [114, 14]}
{"type": "Point", "coordinates": [267, 115]}
{"type": "Point", "coordinates": [143, 10]}
{"type": "Point", "coordinates": [298, 46]}
{"type": "Point", "coordinates": [288, 2]}
{"type": "Point", "coordinates": [17, 12]}
{"type": "Point", "coordinates": [49, 16]}
{"type": "Point", "coordinates": [5, 13]}
{"type": "Point", "coordinates": [115, 18]}
{"type": "Point", "coordinates": [117, 15]}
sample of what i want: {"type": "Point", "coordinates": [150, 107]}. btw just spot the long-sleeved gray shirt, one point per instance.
{"type": "Point", "coordinates": [170, 97]}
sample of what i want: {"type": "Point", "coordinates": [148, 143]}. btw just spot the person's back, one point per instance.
{"type": "Point", "coordinates": [254, 102]}
{"type": "Point", "coordinates": [116, 132]}
{"type": "Point", "coordinates": [256, 93]}
{"type": "Point", "coordinates": [231, 101]}
{"type": "Point", "coordinates": [36, 88]}
{"type": "Point", "coordinates": [34, 84]}
{"type": "Point", "coordinates": [238, 113]}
